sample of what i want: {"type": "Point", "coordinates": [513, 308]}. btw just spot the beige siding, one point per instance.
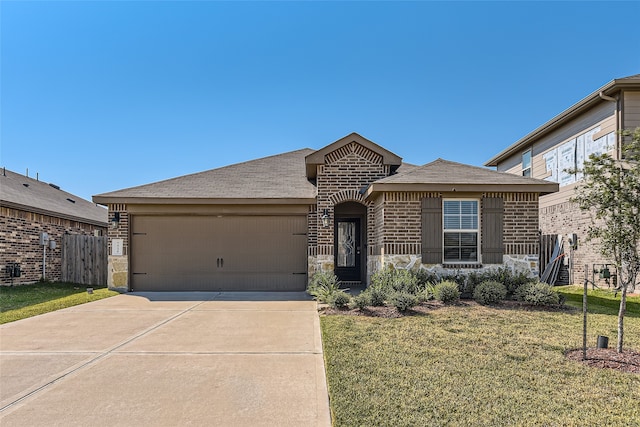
{"type": "Point", "coordinates": [631, 116]}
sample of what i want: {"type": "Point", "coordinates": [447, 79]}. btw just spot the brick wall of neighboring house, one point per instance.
{"type": "Point", "coordinates": [565, 218]}
{"type": "Point", "coordinates": [20, 242]}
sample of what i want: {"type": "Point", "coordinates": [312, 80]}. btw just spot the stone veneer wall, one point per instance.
{"type": "Point", "coordinates": [20, 242]}
{"type": "Point", "coordinates": [118, 275]}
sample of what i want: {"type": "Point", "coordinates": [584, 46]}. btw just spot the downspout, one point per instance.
{"type": "Point", "coordinates": [618, 122]}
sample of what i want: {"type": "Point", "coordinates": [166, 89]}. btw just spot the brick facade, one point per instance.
{"type": "Point", "coordinates": [118, 276]}
{"type": "Point", "coordinates": [565, 218]}
{"type": "Point", "coordinates": [20, 242]}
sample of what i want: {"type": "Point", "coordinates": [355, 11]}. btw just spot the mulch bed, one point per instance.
{"type": "Point", "coordinates": [608, 358]}
{"type": "Point", "coordinates": [425, 307]}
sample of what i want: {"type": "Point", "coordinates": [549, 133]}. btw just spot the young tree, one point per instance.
{"type": "Point", "coordinates": [611, 194]}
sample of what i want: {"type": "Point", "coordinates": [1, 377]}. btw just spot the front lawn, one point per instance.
{"type": "Point", "coordinates": [20, 302]}
{"type": "Point", "coordinates": [476, 366]}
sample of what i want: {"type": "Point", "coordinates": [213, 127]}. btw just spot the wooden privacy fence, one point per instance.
{"type": "Point", "coordinates": [84, 259]}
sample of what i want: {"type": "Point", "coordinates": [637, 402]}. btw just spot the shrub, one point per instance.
{"type": "Point", "coordinates": [396, 280]}
{"type": "Point", "coordinates": [521, 293]}
{"type": "Point", "coordinates": [489, 292]}
{"type": "Point", "coordinates": [403, 300]}
{"type": "Point", "coordinates": [540, 294]}
{"type": "Point", "coordinates": [511, 281]}
{"type": "Point", "coordinates": [360, 301]}
{"type": "Point", "coordinates": [339, 299]}
{"type": "Point", "coordinates": [323, 286]}
{"type": "Point", "coordinates": [377, 295]}
{"type": "Point", "coordinates": [447, 292]}
{"type": "Point", "coordinates": [426, 293]}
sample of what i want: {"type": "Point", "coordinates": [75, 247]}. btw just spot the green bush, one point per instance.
{"type": "Point", "coordinates": [489, 292]}
{"type": "Point", "coordinates": [399, 280]}
{"type": "Point", "coordinates": [361, 301]}
{"type": "Point", "coordinates": [521, 292]}
{"type": "Point", "coordinates": [377, 295]}
{"type": "Point", "coordinates": [511, 281]}
{"type": "Point", "coordinates": [339, 299]}
{"type": "Point", "coordinates": [426, 292]}
{"type": "Point", "coordinates": [403, 300]}
{"type": "Point", "coordinates": [323, 286]}
{"type": "Point", "coordinates": [447, 292]}
{"type": "Point", "coordinates": [540, 294]}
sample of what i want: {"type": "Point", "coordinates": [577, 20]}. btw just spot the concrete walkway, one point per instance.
{"type": "Point", "coordinates": [167, 359]}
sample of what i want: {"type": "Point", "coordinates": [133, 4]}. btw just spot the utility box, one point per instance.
{"type": "Point", "coordinates": [44, 239]}
{"type": "Point", "coordinates": [13, 269]}
{"type": "Point", "coordinates": [52, 244]}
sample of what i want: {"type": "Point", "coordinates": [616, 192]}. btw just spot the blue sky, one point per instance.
{"type": "Point", "coordinates": [99, 96]}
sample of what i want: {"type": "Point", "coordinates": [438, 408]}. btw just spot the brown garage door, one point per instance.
{"type": "Point", "coordinates": [209, 253]}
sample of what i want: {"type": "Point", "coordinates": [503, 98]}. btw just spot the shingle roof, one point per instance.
{"type": "Point", "coordinates": [276, 177]}
{"type": "Point", "coordinates": [22, 192]}
{"type": "Point", "coordinates": [444, 175]}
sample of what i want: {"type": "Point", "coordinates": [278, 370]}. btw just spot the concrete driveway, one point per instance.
{"type": "Point", "coordinates": [167, 359]}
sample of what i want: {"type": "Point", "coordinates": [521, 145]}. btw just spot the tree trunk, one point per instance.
{"type": "Point", "coordinates": [623, 307]}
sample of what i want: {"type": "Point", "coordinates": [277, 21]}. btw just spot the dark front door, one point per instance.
{"type": "Point", "coordinates": [348, 250]}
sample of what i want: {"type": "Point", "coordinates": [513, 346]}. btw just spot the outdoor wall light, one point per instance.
{"type": "Point", "coordinates": [325, 218]}
{"type": "Point", "coordinates": [116, 220]}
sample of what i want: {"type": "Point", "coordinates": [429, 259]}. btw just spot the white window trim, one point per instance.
{"type": "Point", "coordinates": [478, 240]}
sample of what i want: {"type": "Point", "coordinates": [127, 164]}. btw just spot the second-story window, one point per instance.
{"type": "Point", "coordinates": [526, 163]}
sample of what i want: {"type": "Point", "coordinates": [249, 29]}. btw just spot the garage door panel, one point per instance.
{"type": "Point", "coordinates": [219, 253]}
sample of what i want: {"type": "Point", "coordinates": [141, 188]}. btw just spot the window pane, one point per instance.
{"type": "Point", "coordinates": [526, 159]}
{"type": "Point", "coordinates": [469, 207]}
{"type": "Point", "coordinates": [451, 207]}
{"type": "Point", "coordinates": [469, 222]}
{"type": "Point", "coordinates": [452, 222]}
{"type": "Point", "coordinates": [346, 238]}
{"type": "Point", "coordinates": [452, 254]}
{"type": "Point", "coordinates": [468, 239]}
{"type": "Point", "coordinates": [451, 239]}
{"type": "Point", "coordinates": [468, 255]}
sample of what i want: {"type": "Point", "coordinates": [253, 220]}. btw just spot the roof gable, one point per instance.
{"type": "Point", "coordinates": [445, 175]}
{"type": "Point", "coordinates": [318, 157]}
{"type": "Point", "coordinates": [21, 192]}
{"type": "Point", "coordinates": [279, 177]}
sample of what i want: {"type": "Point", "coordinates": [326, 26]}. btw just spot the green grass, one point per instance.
{"type": "Point", "coordinates": [600, 301]}
{"type": "Point", "coordinates": [476, 366]}
{"type": "Point", "coordinates": [20, 302]}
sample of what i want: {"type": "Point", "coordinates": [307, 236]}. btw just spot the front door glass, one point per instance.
{"type": "Point", "coordinates": [346, 244]}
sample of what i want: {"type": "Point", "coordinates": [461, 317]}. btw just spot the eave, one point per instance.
{"type": "Point", "coordinates": [53, 214]}
{"type": "Point", "coordinates": [541, 189]}
{"type": "Point", "coordinates": [104, 200]}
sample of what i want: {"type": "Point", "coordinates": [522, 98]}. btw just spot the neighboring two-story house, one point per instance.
{"type": "Point", "coordinates": [590, 126]}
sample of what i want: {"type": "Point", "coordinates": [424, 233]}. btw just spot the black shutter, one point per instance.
{"type": "Point", "coordinates": [432, 230]}
{"type": "Point", "coordinates": [492, 224]}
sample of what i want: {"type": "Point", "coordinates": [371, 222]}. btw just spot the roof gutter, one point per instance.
{"type": "Point", "coordinates": [607, 98]}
